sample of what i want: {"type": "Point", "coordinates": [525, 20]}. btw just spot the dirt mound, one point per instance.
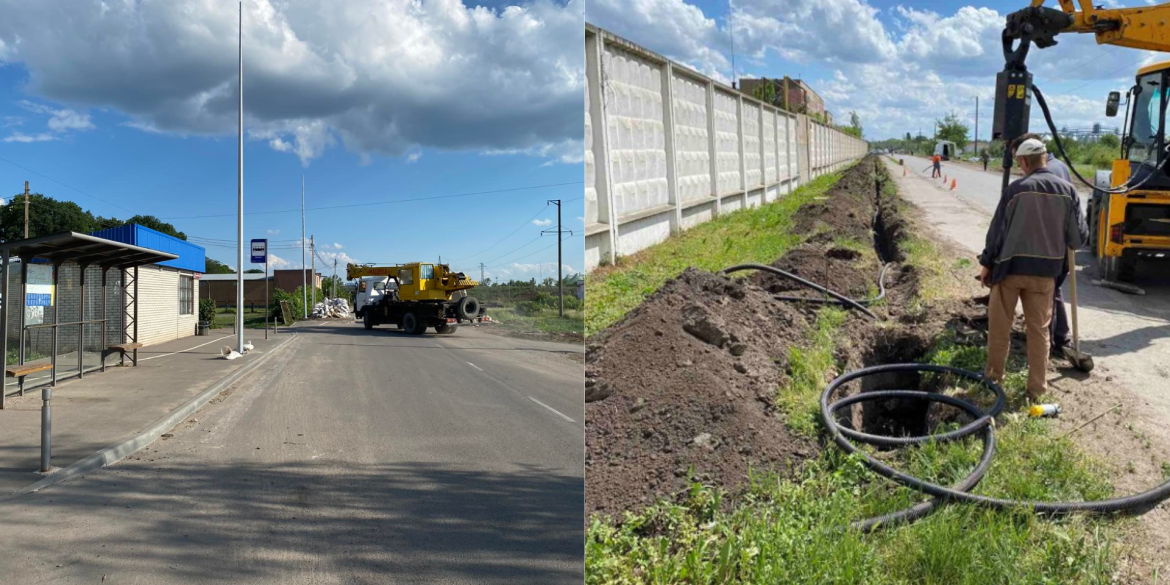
{"type": "Point", "coordinates": [687, 381]}
{"type": "Point", "coordinates": [839, 269]}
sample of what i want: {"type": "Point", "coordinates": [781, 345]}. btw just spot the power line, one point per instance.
{"type": "Point", "coordinates": [47, 178]}
{"type": "Point", "coordinates": [513, 251]}
{"type": "Point", "coordinates": [526, 222]}
{"type": "Point", "coordinates": [386, 202]}
{"type": "Point", "coordinates": [514, 260]}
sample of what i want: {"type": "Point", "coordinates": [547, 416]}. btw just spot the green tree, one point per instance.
{"type": "Point", "coordinates": [157, 225]}
{"type": "Point", "coordinates": [1109, 141]}
{"type": "Point", "coordinates": [765, 92]}
{"type": "Point", "coordinates": [854, 127]}
{"type": "Point", "coordinates": [213, 266]}
{"type": "Point", "coordinates": [952, 128]}
{"type": "Point", "coordinates": [45, 216]}
{"type": "Point", "coordinates": [253, 271]}
{"type": "Point", "coordinates": [329, 282]}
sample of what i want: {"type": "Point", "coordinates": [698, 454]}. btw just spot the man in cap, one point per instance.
{"type": "Point", "coordinates": [1058, 331]}
{"type": "Point", "coordinates": [1035, 224]}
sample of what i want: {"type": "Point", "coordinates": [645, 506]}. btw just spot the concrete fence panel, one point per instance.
{"type": "Point", "coordinates": [667, 148]}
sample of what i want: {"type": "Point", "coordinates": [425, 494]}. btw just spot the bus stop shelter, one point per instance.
{"type": "Point", "coordinates": [84, 251]}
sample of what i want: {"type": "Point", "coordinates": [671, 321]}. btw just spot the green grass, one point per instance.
{"type": "Point", "coordinates": [253, 318]}
{"type": "Point", "coordinates": [13, 356]}
{"type": "Point", "coordinates": [760, 235]}
{"type": "Point", "coordinates": [808, 368]}
{"type": "Point", "coordinates": [790, 530]}
{"type": "Point", "coordinates": [546, 321]}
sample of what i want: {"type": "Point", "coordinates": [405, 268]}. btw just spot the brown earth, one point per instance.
{"type": "Point", "coordinates": [687, 381]}
{"type": "Point", "coordinates": [693, 372]}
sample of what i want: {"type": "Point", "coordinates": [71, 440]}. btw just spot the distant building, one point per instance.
{"type": "Point", "coordinates": [222, 287]}
{"type": "Point", "coordinates": [801, 98]}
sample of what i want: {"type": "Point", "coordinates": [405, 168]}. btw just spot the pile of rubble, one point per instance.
{"type": "Point", "coordinates": [331, 308]}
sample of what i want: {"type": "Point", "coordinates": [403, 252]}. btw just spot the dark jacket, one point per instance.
{"type": "Point", "coordinates": [1038, 219]}
{"type": "Point", "coordinates": [1058, 168]}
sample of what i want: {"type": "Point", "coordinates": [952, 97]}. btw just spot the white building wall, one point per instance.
{"type": "Point", "coordinates": [158, 314]}
{"type": "Point", "coordinates": [726, 149]}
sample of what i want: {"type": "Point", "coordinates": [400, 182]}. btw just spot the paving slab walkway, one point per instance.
{"type": "Point", "coordinates": [105, 408]}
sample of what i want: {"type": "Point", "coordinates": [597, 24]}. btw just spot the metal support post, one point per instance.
{"type": "Point", "coordinates": [267, 301]}
{"type": "Point", "coordinates": [3, 319]}
{"type": "Point", "coordinates": [47, 425]}
{"type": "Point", "coordinates": [104, 316]}
{"type": "Point", "coordinates": [81, 327]}
{"type": "Point", "coordinates": [23, 310]}
{"type": "Point", "coordinates": [135, 315]}
{"type": "Point", "coordinates": [56, 319]}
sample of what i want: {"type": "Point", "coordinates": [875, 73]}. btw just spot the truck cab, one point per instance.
{"type": "Point", "coordinates": [370, 289]}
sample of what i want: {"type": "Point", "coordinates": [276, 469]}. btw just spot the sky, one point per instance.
{"type": "Point", "coordinates": [472, 109]}
{"type": "Point", "coordinates": [900, 65]}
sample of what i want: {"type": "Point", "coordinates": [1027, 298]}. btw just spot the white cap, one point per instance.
{"type": "Point", "coordinates": [1031, 146]}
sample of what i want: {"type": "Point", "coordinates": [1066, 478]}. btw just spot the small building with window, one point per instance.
{"type": "Point", "coordinates": [169, 291]}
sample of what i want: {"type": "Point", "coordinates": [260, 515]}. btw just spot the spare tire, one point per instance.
{"type": "Point", "coordinates": [467, 308]}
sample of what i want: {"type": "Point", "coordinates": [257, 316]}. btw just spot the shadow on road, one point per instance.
{"type": "Point", "coordinates": [247, 522]}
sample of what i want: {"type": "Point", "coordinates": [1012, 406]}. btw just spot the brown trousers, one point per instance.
{"type": "Point", "coordinates": [1036, 294]}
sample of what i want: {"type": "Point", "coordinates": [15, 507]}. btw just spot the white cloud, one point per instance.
{"type": "Point", "coordinates": [380, 77]}
{"type": "Point", "coordinates": [542, 222]}
{"type": "Point", "coordinates": [62, 120]}
{"type": "Point", "coordinates": [272, 232]}
{"type": "Point", "coordinates": [276, 262]}
{"type": "Point", "coordinates": [580, 219]}
{"type": "Point", "coordinates": [22, 137]}
{"type": "Point", "coordinates": [525, 271]}
{"type": "Point", "coordinates": [337, 246]}
{"type": "Point", "coordinates": [899, 78]}
{"type": "Point", "coordinates": [413, 157]}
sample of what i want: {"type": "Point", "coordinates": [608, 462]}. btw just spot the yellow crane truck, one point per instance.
{"type": "Point", "coordinates": [425, 295]}
{"type": "Point", "coordinates": [1129, 212]}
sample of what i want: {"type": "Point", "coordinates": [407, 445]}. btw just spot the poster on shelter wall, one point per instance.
{"type": "Point", "coordinates": [38, 294]}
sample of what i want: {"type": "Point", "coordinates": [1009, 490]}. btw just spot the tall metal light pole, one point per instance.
{"type": "Point", "coordinates": [304, 277]}
{"type": "Point", "coordinates": [976, 124]}
{"type": "Point", "coordinates": [240, 201]}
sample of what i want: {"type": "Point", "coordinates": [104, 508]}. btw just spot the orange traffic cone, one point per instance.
{"type": "Point", "coordinates": [954, 183]}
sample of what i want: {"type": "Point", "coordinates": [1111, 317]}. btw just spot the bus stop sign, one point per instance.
{"type": "Point", "coordinates": [259, 251]}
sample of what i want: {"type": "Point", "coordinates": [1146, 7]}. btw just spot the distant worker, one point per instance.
{"type": "Point", "coordinates": [1036, 222]}
{"type": "Point", "coordinates": [937, 171]}
{"type": "Point", "coordinates": [983, 157]}
{"type": "Point", "coordinates": [1058, 332]}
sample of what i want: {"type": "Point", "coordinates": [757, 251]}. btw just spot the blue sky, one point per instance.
{"type": "Point", "coordinates": [899, 64]}
{"type": "Point", "coordinates": [366, 112]}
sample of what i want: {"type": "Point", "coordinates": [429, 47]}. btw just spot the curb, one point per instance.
{"type": "Point", "coordinates": [118, 451]}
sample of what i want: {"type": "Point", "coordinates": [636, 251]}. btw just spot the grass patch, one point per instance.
{"type": "Point", "coordinates": [808, 367]}
{"type": "Point", "coordinates": [760, 234]}
{"type": "Point", "coordinates": [546, 321]}
{"type": "Point", "coordinates": [253, 318]}
{"type": "Point", "coordinates": [789, 531]}
{"type": "Point", "coordinates": [13, 356]}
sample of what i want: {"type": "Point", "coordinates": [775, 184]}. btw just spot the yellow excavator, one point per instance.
{"type": "Point", "coordinates": [1129, 212]}
{"type": "Point", "coordinates": [415, 296]}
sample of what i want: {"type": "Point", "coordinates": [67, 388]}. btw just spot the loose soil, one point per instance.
{"type": "Point", "coordinates": [684, 387]}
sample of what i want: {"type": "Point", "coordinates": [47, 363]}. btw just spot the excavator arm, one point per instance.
{"type": "Point", "coordinates": [1143, 27]}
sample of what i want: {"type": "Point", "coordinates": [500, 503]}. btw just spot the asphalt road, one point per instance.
{"type": "Point", "coordinates": [352, 456]}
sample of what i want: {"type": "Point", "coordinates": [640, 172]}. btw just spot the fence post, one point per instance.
{"type": "Point", "coordinates": [739, 139]}
{"type": "Point", "coordinates": [672, 195]}
{"type": "Point", "coordinates": [595, 70]}
{"type": "Point", "coordinates": [712, 148]}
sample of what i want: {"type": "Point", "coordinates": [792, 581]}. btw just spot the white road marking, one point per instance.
{"type": "Point", "coordinates": [475, 366]}
{"type": "Point", "coordinates": [552, 409]}
{"type": "Point", "coordinates": [183, 350]}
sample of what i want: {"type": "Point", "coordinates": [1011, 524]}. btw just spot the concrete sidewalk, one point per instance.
{"type": "Point", "coordinates": [104, 409]}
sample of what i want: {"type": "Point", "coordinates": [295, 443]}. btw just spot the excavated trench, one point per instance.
{"type": "Point", "coordinates": [684, 387]}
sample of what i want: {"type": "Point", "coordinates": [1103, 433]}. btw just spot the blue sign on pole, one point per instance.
{"type": "Point", "coordinates": [259, 251]}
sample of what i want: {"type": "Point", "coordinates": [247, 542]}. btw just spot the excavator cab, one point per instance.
{"type": "Point", "coordinates": [1129, 213]}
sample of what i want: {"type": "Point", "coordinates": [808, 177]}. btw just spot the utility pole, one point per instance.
{"type": "Point", "coordinates": [976, 124]}
{"type": "Point", "coordinates": [304, 277]}
{"type": "Point", "coordinates": [335, 278]}
{"type": "Point", "coordinates": [26, 210]}
{"type": "Point", "coordinates": [481, 271]}
{"type": "Point", "coordinates": [239, 202]}
{"type": "Point", "coordinates": [560, 276]}
{"type": "Point", "coordinates": [313, 270]}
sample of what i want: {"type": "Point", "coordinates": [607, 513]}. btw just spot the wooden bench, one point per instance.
{"type": "Point", "coordinates": [122, 348]}
{"type": "Point", "coordinates": [19, 372]}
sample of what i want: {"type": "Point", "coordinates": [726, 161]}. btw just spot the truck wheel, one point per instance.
{"type": "Point", "coordinates": [411, 324]}
{"type": "Point", "coordinates": [1107, 267]}
{"type": "Point", "coordinates": [446, 328]}
{"type": "Point", "coordinates": [367, 321]}
{"type": "Point", "coordinates": [468, 308]}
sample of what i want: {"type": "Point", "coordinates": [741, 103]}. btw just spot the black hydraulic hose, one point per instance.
{"type": "Point", "coordinates": [840, 297]}
{"type": "Point", "coordinates": [822, 301]}
{"type": "Point", "coordinates": [1067, 161]}
{"type": "Point", "coordinates": [984, 422]}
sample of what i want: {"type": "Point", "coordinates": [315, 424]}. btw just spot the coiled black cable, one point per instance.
{"type": "Point", "coordinates": [984, 422]}
{"type": "Point", "coordinates": [837, 298]}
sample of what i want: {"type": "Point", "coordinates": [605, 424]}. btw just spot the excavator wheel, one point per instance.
{"type": "Point", "coordinates": [411, 324]}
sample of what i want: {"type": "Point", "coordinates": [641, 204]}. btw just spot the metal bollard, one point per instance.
{"type": "Point", "coordinates": [46, 429]}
